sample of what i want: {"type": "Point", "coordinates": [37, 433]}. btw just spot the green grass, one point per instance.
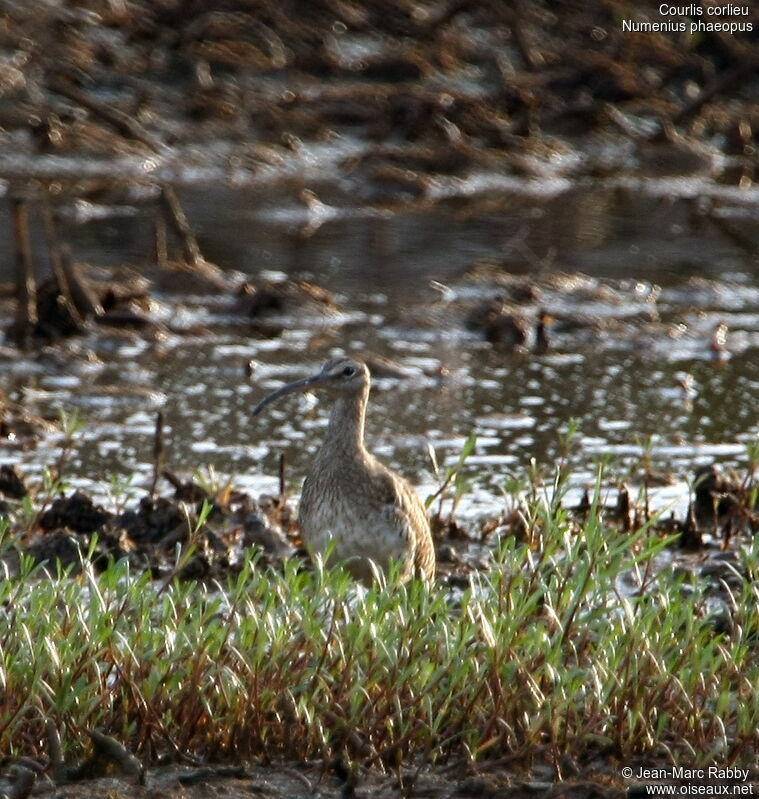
{"type": "Point", "coordinates": [543, 653]}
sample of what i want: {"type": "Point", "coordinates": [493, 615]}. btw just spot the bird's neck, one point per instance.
{"type": "Point", "coordinates": [345, 431]}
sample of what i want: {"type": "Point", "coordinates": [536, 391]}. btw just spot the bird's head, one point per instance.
{"type": "Point", "coordinates": [341, 376]}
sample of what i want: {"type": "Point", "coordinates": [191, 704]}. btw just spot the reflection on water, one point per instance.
{"type": "Point", "coordinates": [630, 357]}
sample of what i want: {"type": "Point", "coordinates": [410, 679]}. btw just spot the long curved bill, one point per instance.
{"type": "Point", "coordinates": [298, 385]}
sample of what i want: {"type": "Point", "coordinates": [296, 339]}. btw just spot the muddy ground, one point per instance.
{"type": "Point", "coordinates": [485, 780]}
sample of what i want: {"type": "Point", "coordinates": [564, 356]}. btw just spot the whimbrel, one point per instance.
{"type": "Point", "coordinates": [350, 499]}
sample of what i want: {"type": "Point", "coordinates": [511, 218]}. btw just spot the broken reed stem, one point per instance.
{"type": "Point", "coordinates": [161, 241]}
{"type": "Point", "coordinates": [122, 123]}
{"type": "Point", "coordinates": [159, 452]}
{"type": "Point", "coordinates": [513, 18]}
{"type": "Point", "coordinates": [181, 225]}
{"type": "Point", "coordinates": [57, 261]}
{"type": "Point", "coordinates": [282, 486]}
{"type": "Point", "coordinates": [26, 286]}
{"type": "Point", "coordinates": [127, 126]}
{"type": "Point", "coordinates": [87, 303]}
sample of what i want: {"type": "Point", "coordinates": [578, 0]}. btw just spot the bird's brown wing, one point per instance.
{"type": "Point", "coordinates": [405, 513]}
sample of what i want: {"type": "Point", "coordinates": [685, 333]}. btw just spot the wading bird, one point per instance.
{"type": "Point", "coordinates": [370, 513]}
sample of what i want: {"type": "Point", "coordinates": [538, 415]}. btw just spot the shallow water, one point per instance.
{"type": "Point", "coordinates": [665, 261]}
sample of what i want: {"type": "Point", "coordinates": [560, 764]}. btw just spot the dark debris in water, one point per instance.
{"type": "Point", "coordinates": [149, 531]}
{"type": "Point", "coordinates": [436, 91]}
{"type": "Point", "coordinates": [466, 79]}
{"type": "Point", "coordinates": [12, 482]}
{"type": "Point", "coordinates": [63, 304]}
{"type": "Point", "coordinates": [271, 306]}
{"type": "Point", "coordinates": [515, 314]}
{"type": "Point", "coordinates": [77, 512]}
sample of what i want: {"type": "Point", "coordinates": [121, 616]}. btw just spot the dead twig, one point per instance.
{"type": "Point", "coordinates": [282, 486]}
{"type": "Point", "coordinates": [122, 122]}
{"type": "Point", "coordinates": [127, 126]}
{"type": "Point", "coordinates": [159, 453]}
{"type": "Point", "coordinates": [26, 286]}
{"type": "Point", "coordinates": [56, 260]}
{"type": "Point", "coordinates": [179, 222]}
{"type": "Point", "coordinates": [513, 17]}
{"type": "Point", "coordinates": [161, 241]}
{"type": "Point", "coordinates": [84, 299]}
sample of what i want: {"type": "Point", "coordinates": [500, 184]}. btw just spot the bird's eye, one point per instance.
{"type": "Point", "coordinates": [349, 371]}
